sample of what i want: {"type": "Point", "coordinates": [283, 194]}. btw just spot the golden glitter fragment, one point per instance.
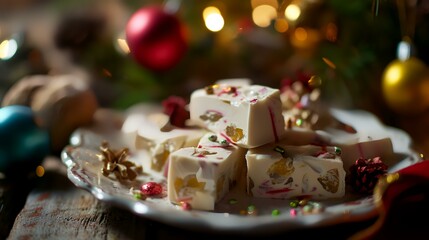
{"type": "Point", "coordinates": [116, 162]}
{"type": "Point", "coordinates": [329, 63]}
{"type": "Point", "coordinates": [315, 81]}
{"type": "Point", "coordinates": [210, 89]}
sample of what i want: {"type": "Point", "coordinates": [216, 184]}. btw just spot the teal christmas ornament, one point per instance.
{"type": "Point", "coordinates": [23, 144]}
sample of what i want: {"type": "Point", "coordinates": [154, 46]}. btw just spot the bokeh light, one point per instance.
{"type": "Point", "coordinates": [213, 19]}
{"type": "Point", "coordinates": [292, 12]}
{"type": "Point", "coordinates": [40, 171]}
{"type": "Point", "coordinates": [263, 15]}
{"type": "Point", "coordinates": [301, 34]}
{"type": "Point", "coordinates": [8, 49]}
{"type": "Point", "coordinates": [122, 45]}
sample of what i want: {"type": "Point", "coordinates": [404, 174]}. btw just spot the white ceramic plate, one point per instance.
{"type": "Point", "coordinates": [84, 171]}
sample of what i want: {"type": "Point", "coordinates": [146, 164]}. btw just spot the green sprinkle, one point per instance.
{"type": "Point", "coordinates": [298, 122]}
{"type": "Point", "coordinates": [232, 201]}
{"type": "Point", "coordinates": [137, 196]}
{"type": "Point", "coordinates": [307, 208]}
{"type": "Point", "coordinates": [294, 204]}
{"type": "Point", "coordinates": [251, 208]}
{"type": "Point", "coordinates": [213, 138]}
{"type": "Point", "coordinates": [275, 212]}
{"type": "Point", "coordinates": [224, 142]}
{"type": "Point", "coordinates": [337, 150]}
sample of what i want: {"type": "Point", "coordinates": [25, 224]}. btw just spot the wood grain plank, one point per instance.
{"type": "Point", "coordinates": [56, 209]}
{"type": "Point", "coordinates": [12, 198]}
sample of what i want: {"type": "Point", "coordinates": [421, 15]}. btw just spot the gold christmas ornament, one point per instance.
{"type": "Point", "coordinates": [405, 86]}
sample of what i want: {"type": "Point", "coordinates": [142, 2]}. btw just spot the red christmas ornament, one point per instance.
{"type": "Point", "coordinates": [156, 38]}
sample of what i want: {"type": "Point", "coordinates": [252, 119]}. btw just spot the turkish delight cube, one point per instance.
{"type": "Point", "coordinates": [284, 172]}
{"type": "Point", "coordinates": [246, 115]}
{"type": "Point", "coordinates": [202, 175]}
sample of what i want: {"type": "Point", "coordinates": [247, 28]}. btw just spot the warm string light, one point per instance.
{"type": "Point", "coordinates": [262, 15]}
{"type": "Point", "coordinates": [292, 12]}
{"type": "Point", "coordinates": [213, 19]}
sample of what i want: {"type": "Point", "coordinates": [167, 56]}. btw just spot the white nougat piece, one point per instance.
{"type": "Point", "coordinates": [202, 175]}
{"type": "Point", "coordinates": [160, 141]}
{"type": "Point", "coordinates": [284, 172]}
{"type": "Point", "coordinates": [248, 115]}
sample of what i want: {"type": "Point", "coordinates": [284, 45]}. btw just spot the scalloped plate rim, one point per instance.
{"type": "Point", "coordinates": [202, 221]}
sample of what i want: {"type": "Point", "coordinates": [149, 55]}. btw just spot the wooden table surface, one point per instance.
{"type": "Point", "coordinates": [51, 207]}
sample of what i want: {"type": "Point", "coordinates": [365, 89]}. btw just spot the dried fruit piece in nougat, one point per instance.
{"type": "Point", "coordinates": [249, 116]}
{"type": "Point", "coordinates": [282, 171]}
{"type": "Point", "coordinates": [202, 175]}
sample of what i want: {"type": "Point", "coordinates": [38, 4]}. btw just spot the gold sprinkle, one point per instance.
{"type": "Point", "coordinates": [315, 81]}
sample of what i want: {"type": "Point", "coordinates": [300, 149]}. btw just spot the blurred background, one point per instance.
{"type": "Point", "coordinates": [348, 44]}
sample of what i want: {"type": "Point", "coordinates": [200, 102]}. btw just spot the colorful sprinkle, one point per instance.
{"type": "Point", "coordinates": [185, 206]}
{"type": "Point", "coordinates": [251, 210]}
{"type": "Point", "coordinates": [232, 201]}
{"type": "Point", "coordinates": [337, 150]}
{"type": "Point", "coordinates": [137, 196]}
{"type": "Point", "coordinates": [303, 202]}
{"type": "Point", "coordinates": [213, 138]}
{"type": "Point", "coordinates": [224, 142]}
{"type": "Point", "coordinates": [151, 188]}
{"type": "Point", "coordinates": [293, 212]}
{"type": "Point", "coordinates": [275, 212]}
{"type": "Point", "coordinates": [210, 89]}
{"type": "Point", "coordinates": [294, 204]}
{"type": "Point", "coordinates": [228, 90]}
{"type": "Point", "coordinates": [307, 208]}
